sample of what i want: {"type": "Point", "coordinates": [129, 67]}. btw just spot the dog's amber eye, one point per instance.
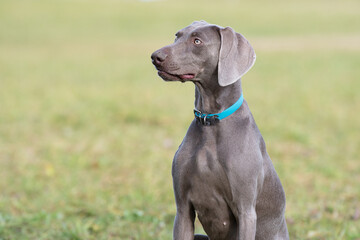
{"type": "Point", "coordinates": [197, 41]}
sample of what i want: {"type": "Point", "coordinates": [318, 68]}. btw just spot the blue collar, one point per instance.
{"type": "Point", "coordinates": [212, 119]}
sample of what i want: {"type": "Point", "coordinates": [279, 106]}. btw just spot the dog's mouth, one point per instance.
{"type": "Point", "coordinates": [174, 77]}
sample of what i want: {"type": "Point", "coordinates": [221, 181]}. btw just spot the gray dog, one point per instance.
{"type": "Point", "coordinates": [221, 171]}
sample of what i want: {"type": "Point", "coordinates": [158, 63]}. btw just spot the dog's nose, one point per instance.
{"type": "Point", "coordinates": [158, 58]}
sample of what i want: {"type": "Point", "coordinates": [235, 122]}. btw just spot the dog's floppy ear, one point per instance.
{"type": "Point", "coordinates": [236, 56]}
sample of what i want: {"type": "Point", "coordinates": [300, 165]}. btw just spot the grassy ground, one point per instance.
{"type": "Point", "coordinates": [88, 130]}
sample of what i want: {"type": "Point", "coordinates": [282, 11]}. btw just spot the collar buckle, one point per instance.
{"type": "Point", "coordinates": [205, 119]}
{"type": "Point", "coordinates": [212, 119]}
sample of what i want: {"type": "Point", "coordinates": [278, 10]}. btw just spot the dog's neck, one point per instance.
{"type": "Point", "coordinates": [211, 98]}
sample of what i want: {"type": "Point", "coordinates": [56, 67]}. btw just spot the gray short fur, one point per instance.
{"type": "Point", "coordinates": [222, 172]}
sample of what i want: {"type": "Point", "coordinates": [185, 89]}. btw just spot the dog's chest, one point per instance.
{"type": "Point", "coordinates": [201, 165]}
{"type": "Point", "coordinates": [205, 181]}
{"type": "Point", "coordinates": [209, 183]}
{"type": "Point", "coordinates": [204, 172]}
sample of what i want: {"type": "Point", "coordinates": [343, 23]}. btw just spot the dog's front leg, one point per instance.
{"type": "Point", "coordinates": [184, 223]}
{"type": "Point", "coordinates": [246, 213]}
{"type": "Point", "coordinates": [247, 225]}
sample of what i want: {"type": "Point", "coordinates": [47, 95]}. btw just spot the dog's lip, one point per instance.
{"type": "Point", "coordinates": [187, 76]}
{"type": "Point", "coordinates": [181, 77]}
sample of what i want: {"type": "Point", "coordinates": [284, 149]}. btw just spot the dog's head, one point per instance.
{"type": "Point", "coordinates": [201, 51]}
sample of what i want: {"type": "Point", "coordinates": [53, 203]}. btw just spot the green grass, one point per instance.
{"type": "Point", "coordinates": [88, 130]}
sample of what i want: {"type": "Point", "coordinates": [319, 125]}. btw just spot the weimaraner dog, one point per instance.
{"type": "Point", "coordinates": [221, 171]}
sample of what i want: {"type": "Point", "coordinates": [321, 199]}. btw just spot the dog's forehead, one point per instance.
{"type": "Point", "coordinates": [197, 26]}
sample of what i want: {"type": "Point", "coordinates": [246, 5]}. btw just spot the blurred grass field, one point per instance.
{"type": "Point", "coordinates": [88, 131]}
